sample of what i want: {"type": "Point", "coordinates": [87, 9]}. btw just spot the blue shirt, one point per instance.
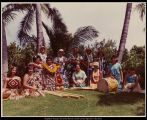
{"type": "Point", "coordinates": [132, 79]}
{"type": "Point", "coordinates": [115, 70]}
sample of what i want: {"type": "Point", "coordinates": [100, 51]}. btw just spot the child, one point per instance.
{"type": "Point", "coordinates": [59, 80]}
{"type": "Point", "coordinates": [131, 82]}
{"type": "Point", "coordinates": [43, 54]}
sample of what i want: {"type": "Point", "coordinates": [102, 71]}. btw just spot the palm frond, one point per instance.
{"type": "Point", "coordinates": [8, 11]}
{"type": "Point", "coordinates": [7, 19]}
{"type": "Point", "coordinates": [25, 38]}
{"type": "Point", "coordinates": [84, 34]}
{"type": "Point", "coordinates": [49, 31]}
{"type": "Point", "coordinates": [141, 9]}
{"type": "Point", "coordinates": [58, 23]}
{"type": "Point", "coordinates": [48, 11]}
{"type": "Point", "coordinates": [27, 21]}
{"type": "Point", "coordinates": [25, 25]}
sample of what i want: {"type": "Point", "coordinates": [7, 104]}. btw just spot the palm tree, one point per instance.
{"type": "Point", "coordinates": [39, 27]}
{"type": "Point", "coordinates": [60, 38]}
{"type": "Point", "coordinates": [82, 35]}
{"type": "Point", "coordinates": [4, 51]}
{"type": "Point", "coordinates": [8, 14]}
{"type": "Point", "coordinates": [26, 24]}
{"type": "Point", "coordinates": [58, 33]}
{"type": "Point", "coordinates": [124, 32]}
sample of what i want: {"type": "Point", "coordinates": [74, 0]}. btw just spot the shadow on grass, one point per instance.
{"type": "Point", "coordinates": [140, 110]}
{"type": "Point", "coordinates": [120, 98]}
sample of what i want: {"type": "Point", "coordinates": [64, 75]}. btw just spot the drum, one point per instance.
{"type": "Point", "coordinates": [108, 84]}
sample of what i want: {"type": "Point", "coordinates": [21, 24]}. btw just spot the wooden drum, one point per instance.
{"type": "Point", "coordinates": [108, 84]}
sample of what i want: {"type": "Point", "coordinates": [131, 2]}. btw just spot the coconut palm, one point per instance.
{"type": "Point", "coordinates": [26, 24]}
{"type": "Point", "coordinates": [58, 33]}
{"type": "Point", "coordinates": [124, 32]}
{"type": "Point", "coordinates": [60, 38]}
{"type": "Point", "coordinates": [8, 14]}
{"type": "Point", "coordinates": [141, 9]}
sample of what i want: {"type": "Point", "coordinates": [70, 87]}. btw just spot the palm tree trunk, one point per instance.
{"type": "Point", "coordinates": [40, 39]}
{"type": "Point", "coordinates": [4, 51]}
{"type": "Point", "coordinates": [124, 32]}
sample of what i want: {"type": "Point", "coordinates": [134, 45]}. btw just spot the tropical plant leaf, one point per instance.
{"type": "Point", "coordinates": [8, 11]}
{"type": "Point", "coordinates": [58, 23]}
{"type": "Point", "coordinates": [141, 9]}
{"type": "Point", "coordinates": [84, 34]}
{"type": "Point", "coordinates": [26, 24]}
{"type": "Point", "coordinates": [49, 30]}
{"type": "Point", "coordinates": [48, 11]}
{"type": "Point", "coordinates": [25, 38]}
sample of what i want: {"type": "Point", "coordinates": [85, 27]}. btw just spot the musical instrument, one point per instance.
{"type": "Point", "coordinates": [65, 94]}
{"type": "Point", "coordinates": [108, 84]}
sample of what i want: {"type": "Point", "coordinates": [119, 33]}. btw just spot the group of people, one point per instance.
{"type": "Point", "coordinates": [46, 73]}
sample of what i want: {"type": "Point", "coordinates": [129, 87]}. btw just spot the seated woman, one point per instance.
{"type": "Point", "coordinates": [12, 85]}
{"type": "Point", "coordinates": [49, 75]}
{"type": "Point", "coordinates": [30, 85]}
{"type": "Point", "coordinates": [131, 82]}
{"type": "Point", "coordinates": [95, 75]}
{"type": "Point", "coordinates": [79, 77]}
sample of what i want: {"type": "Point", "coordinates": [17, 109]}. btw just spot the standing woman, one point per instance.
{"type": "Point", "coordinates": [116, 71]}
{"type": "Point", "coordinates": [38, 74]}
{"type": "Point", "coordinates": [49, 75]}
{"type": "Point", "coordinates": [88, 58]}
{"type": "Point", "coordinates": [12, 85]}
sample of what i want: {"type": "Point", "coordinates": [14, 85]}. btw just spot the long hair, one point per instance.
{"type": "Point", "coordinates": [10, 70]}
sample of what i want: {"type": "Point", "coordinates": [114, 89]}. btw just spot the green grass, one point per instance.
{"type": "Point", "coordinates": [94, 104]}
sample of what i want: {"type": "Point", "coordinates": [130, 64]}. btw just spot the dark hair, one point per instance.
{"type": "Point", "coordinates": [28, 68]}
{"type": "Point", "coordinates": [36, 57]}
{"type": "Point", "coordinates": [49, 58]}
{"type": "Point", "coordinates": [114, 57]}
{"type": "Point", "coordinates": [10, 70]}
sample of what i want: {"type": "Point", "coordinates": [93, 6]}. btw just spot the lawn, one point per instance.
{"type": "Point", "coordinates": [94, 104]}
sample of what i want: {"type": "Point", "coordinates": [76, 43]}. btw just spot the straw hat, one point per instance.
{"type": "Point", "coordinates": [96, 64]}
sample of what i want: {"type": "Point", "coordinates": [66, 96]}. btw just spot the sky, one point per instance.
{"type": "Point", "coordinates": [107, 18]}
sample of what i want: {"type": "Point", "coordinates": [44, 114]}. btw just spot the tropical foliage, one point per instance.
{"type": "Point", "coordinates": [61, 38]}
